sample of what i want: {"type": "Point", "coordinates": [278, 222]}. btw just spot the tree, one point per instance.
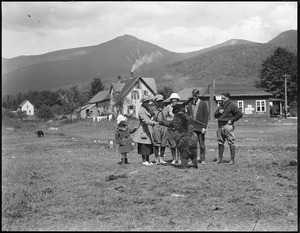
{"type": "Point", "coordinates": [72, 99]}
{"type": "Point", "coordinates": [274, 68]}
{"type": "Point", "coordinates": [96, 86]}
{"type": "Point", "coordinates": [44, 112]}
{"type": "Point", "coordinates": [166, 91]}
{"type": "Point", "coordinates": [21, 114]}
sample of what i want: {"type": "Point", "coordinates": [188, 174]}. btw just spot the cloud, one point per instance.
{"type": "Point", "coordinates": [175, 26]}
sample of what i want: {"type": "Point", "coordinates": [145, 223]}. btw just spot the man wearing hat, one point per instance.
{"type": "Point", "coordinates": [227, 113]}
{"type": "Point", "coordinates": [198, 111]}
{"type": "Point", "coordinates": [143, 135]}
{"type": "Point", "coordinates": [159, 131]}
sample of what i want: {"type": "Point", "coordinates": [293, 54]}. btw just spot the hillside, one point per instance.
{"type": "Point", "coordinates": [235, 61]}
{"type": "Point", "coordinates": [232, 61]}
{"type": "Point", "coordinates": [108, 60]}
{"type": "Point", "coordinates": [239, 63]}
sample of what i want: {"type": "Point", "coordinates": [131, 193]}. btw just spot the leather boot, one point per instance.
{"type": "Point", "coordinates": [220, 150]}
{"type": "Point", "coordinates": [232, 154]}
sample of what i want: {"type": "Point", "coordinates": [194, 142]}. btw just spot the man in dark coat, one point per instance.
{"type": "Point", "coordinates": [227, 113]}
{"type": "Point", "coordinates": [197, 110]}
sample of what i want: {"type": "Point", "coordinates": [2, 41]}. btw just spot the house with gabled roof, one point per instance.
{"type": "Point", "coordinates": [102, 104]}
{"type": "Point", "coordinates": [26, 107]}
{"type": "Point", "coordinates": [126, 95]}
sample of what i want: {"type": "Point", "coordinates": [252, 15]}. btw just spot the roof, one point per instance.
{"type": "Point", "coordinates": [24, 102]}
{"type": "Point", "coordinates": [129, 83]}
{"type": "Point", "coordinates": [88, 106]}
{"type": "Point", "coordinates": [238, 90]}
{"type": "Point", "coordinates": [185, 93]}
{"type": "Point", "coordinates": [276, 99]}
{"type": "Point", "coordinates": [118, 86]}
{"type": "Point", "coordinates": [151, 83]}
{"type": "Point", "coordinates": [100, 96]}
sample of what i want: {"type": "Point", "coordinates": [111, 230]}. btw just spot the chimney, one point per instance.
{"type": "Point", "coordinates": [119, 78]}
{"type": "Point", "coordinates": [131, 74]}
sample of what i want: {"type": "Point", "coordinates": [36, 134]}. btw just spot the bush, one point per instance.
{"type": "Point", "coordinates": [45, 113]}
{"type": "Point", "coordinates": [294, 109]}
{"type": "Point", "coordinates": [8, 114]}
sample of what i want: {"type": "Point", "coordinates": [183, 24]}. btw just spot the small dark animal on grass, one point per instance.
{"type": "Point", "coordinates": [186, 140]}
{"type": "Point", "coordinates": [40, 133]}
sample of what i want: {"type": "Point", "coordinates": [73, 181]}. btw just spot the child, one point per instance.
{"type": "Point", "coordinates": [123, 139]}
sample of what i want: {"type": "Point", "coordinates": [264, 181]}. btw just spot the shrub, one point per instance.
{"type": "Point", "coordinates": [45, 113]}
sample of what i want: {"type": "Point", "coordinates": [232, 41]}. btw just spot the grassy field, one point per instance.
{"type": "Point", "coordinates": [68, 180]}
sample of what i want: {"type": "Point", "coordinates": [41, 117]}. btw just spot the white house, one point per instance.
{"type": "Point", "coordinates": [26, 107]}
{"type": "Point", "coordinates": [129, 91]}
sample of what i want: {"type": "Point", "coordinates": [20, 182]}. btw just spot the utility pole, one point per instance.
{"type": "Point", "coordinates": [285, 92]}
{"type": "Point", "coordinates": [211, 89]}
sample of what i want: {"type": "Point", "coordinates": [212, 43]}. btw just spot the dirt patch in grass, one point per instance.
{"type": "Point", "coordinates": [68, 182]}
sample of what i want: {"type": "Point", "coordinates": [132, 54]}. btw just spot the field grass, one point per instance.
{"type": "Point", "coordinates": [67, 180]}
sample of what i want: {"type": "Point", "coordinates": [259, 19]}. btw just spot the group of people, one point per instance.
{"type": "Point", "coordinates": [155, 131]}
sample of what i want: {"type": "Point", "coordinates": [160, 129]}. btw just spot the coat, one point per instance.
{"type": "Point", "coordinates": [123, 139]}
{"type": "Point", "coordinates": [201, 119]}
{"type": "Point", "coordinates": [159, 131]}
{"type": "Point", "coordinates": [232, 112]}
{"type": "Point", "coordinates": [144, 131]}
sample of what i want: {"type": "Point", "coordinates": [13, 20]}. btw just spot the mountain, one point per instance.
{"type": "Point", "coordinates": [237, 61]}
{"type": "Point", "coordinates": [231, 61]}
{"type": "Point", "coordinates": [108, 60]}
{"type": "Point", "coordinates": [286, 39]}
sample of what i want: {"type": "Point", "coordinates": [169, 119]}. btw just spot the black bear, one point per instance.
{"type": "Point", "coordinates": [40, 133]}
{"type": "Point", "coordinates": [186, 140]}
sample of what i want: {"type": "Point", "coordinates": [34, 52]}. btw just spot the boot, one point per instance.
{"type": "Point", "coordinates": [122, 161]}
{"type": "Point", "coordinates": [126, 161]}
{"type": "Point", "coordinates": [144, 158]}
{"type": "Point", "coordinates": [232, 154]}
{"type": "Point", "coordinates": [156, 153]}
{"type": "Point", "coordinates": [220, 150]}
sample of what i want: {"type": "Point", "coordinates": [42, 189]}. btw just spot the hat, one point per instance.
{"type": "Point", "coordinates": [121, 118]}
{"type": "Point", "coordinates": [226, 94]}
{"type": "Point", "coordinates": [158, 97]}
{"type": "Point", "coordinates": [146, 98]}
{"type": "Point", "coordinates": [196, 91]}
{"type": "Point", "coordinates": [174, 96]}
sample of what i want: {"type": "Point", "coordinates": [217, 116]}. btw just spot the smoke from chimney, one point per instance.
{"type": "Point", "coordinates": [146, 59]}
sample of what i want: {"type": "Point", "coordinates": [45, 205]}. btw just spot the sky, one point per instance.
{"type": "Point", "coordinates": [34, 28]}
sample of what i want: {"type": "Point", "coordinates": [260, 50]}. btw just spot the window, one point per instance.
{"type": "Point", "coordinates": [27, 105]}
{"type": "Point", "coordinates": [138, 85]}
{"type": "Point", "coordinates": [135, 95]}
{"type": "Point", "coordinates": [145, 93]}
{"type": "Point", "coordinates": [260, 105]}
{"type": "Point", "coordinates": [240, 105]}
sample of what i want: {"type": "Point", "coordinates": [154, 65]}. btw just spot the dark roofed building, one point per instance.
{"type": "Point", "coordinates": [102, 102]}
{"type": "Point", "coordinates": [251, 100]}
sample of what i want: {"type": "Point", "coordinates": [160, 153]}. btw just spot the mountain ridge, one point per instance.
{"type": "Point", "coordinates": [127, 53]}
